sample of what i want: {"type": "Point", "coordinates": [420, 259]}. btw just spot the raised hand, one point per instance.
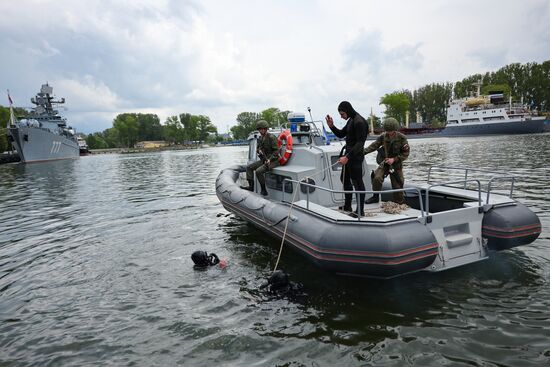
{"type": "Point", "coordinates": [329, 120]}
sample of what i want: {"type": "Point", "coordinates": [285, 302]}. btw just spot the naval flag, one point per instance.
{"type": "Point", "coordinates": [9, 97]}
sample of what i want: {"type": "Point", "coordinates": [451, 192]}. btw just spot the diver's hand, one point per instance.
{"type": "Point", "coordinates": [343, 160]}
{"type": "Point", "coordinates": [330, 121]}
{"type": "Point", "coordinates": [389, 161]}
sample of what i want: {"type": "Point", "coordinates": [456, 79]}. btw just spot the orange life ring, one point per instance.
{"type": "Point", "coordinates": [286, 136]}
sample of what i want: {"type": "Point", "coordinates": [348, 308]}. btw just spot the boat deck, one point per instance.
{"type": "Point", "coordinates": [373, 213]}
{"type": "Point", "coordinates": [495, 199]}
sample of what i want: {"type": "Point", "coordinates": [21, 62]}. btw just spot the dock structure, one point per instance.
{"type": "Point", "coordinates": [9, 157]}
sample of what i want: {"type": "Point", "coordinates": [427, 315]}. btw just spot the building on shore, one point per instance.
{"type": "Point", "coordinates": [152, 144]}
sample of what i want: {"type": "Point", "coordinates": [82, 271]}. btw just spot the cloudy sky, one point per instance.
{"type": "Point", "coordinates": [220, 58]}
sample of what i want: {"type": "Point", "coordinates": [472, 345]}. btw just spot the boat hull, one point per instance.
{"type": "Point", "coordinates": [513, 127]}
{"type": "Point", "coordinates": [351, 247]}
{"type": "Point", "coordinates": [495, 128]}
{"type": "Point", "coordinates": [36, 144]}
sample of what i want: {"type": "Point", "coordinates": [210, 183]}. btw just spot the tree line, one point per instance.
{"type": "Point", "coordinates": [129, 128]}
{"type": "Point", "coordinates": [528, 82]}
{"type": "Point", "coordinates": [246, 121]}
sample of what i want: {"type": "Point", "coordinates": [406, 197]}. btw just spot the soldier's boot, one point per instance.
{"type": "Point", "coordinates": [250, 186]}
{"type": "Point", "coordinates": [264, 190]}
{"type": "Point", "coordinates": [376, 186]}
{"type": "Point", "coordinates": [399, 198]}
{"type": "Point", "coordinates": [347, 203]}
{"type": "Point", "coordinates": [373, 199]}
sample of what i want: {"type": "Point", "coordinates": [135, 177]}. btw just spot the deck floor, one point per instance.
{"type": "Point", "coordinates": [373, 212]}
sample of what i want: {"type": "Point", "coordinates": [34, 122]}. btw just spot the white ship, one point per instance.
{"type": "Point", "coordinates": [43, 135]}
{"type": "Point", "coordinates": [82, 145]}
{"type": "Point", "coordinates": [490, 114]}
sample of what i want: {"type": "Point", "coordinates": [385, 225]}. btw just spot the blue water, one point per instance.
{"type": "Point", "coordinates": [95, 269]}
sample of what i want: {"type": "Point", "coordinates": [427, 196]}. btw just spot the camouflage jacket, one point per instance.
{"type": "Point", "coordinates": [398, 148]}
{"type": "Point", "coordinates": [269, 147]}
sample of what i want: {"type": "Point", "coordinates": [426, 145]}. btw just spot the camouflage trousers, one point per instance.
{"type": "Point", "coordinates": [397, 182]}
{"type": "Point", "coordinates": [260, 168]}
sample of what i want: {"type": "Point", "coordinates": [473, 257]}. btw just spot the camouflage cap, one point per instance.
{"type": "Point", "coordinates": [391, 124]}
{"type": "Point", "coordinates": [262, 124]}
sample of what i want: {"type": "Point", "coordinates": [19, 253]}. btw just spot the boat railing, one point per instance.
{"type": "Point", "coordinates": [423, 212]}
{"type": "Point", "coordinates": [313, 128]}
{"type": "Point", "coordinates": [357, 193]}
{"type": "Point", "coordinates": [498, 176]}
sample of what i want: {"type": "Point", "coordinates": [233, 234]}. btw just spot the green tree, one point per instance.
{"type": "Point", "coordinates": [431, 101]}
{"type": "Point", "coordinates": [246, 123]}
{"type": "Point", "coordinates": [96, 141]}
{"type": "Point", "coordinates": [4, 118]}
{"type": "Point", "coordinates": [493, 88]}
{"type": "Point", "coordinates": [127, 126]}
{"type": "Point", "coordinates": [274, 116]}
{"type": "Point", "coordinates": [112, 138]}
{"type": "Point", "coordinates": [397, 104]}
{"type": "Point", "coordinates": [149, 127]}
{"type": "Point", "coordinates": [173, 130]}
{"type": "Point", "coordinates": [204, 127]}
{"type": "Point", "coordinates": [190, 124]}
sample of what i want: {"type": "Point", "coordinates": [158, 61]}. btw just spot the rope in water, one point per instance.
{"type": "Point", "coordinates": [290, 210]}
{"type": "Point", "coordinates": [389, 207]}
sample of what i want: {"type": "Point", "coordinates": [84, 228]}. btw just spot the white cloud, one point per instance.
{"type": "Point", "coordinates": [222, 58]}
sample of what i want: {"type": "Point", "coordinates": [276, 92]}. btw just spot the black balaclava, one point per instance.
{"type": "Point", "coordinates": [346, 107]}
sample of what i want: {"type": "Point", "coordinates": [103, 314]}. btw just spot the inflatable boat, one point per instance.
{"type": "Point", "coordinates": [445, 224]}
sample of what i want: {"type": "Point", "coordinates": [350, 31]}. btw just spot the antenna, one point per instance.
{"type": "Point", "coordinates": [309, 110]}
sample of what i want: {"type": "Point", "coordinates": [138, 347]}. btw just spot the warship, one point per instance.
{"type": "Point", "coordinates": [43, 135]}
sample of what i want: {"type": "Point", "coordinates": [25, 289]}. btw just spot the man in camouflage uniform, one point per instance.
{"type": "Point", "coordinates": [396, 150]}
{"type": "Point", "coordinates": [268, 152]}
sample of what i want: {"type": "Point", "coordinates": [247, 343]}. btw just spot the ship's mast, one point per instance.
{"type": "Point", "coordinates": [12, 116]}
{"type": "Point", "coordinates": [45, 99]}
{"type": "Point", "coordinates": [478, 85]}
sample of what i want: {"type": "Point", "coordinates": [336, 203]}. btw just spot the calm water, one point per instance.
{"type": "Point", "coordinates": [95, 269]}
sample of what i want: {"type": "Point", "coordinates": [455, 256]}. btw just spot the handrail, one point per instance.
{"type": "Point", "coordinates": [500, 176]}
{"type": "Point", "coordinates": [466, 169]}
{"type": "Point", "coordinates": [512, 178]}
{"type": "Point", "coordinates": [357, 193]}
{"type": "Point", "coordinates": [452, 183]}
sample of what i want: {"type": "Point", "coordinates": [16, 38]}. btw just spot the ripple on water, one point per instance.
{"type": "Point", "coordinates": [95, 269]}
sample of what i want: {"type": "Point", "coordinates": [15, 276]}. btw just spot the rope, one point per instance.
{"type": "Point", "coordinates": [284, 233]}
{"type": "Point", "coordinates": [290, 211]}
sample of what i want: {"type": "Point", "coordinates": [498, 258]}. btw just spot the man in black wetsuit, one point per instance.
{"type": "Point", "coordinates": [355, 133]}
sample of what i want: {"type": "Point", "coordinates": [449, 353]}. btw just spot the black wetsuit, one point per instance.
{"type": "Point", "coordinates": [355, 133]}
